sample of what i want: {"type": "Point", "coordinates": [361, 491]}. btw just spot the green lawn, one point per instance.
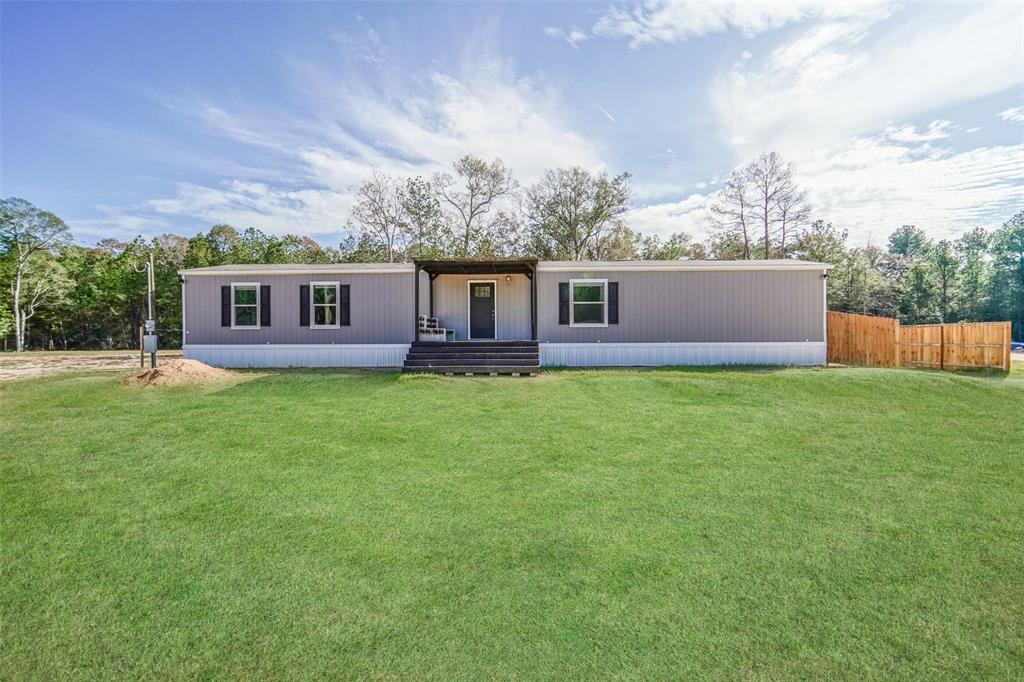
{"type": "Point", "coordinates": [751, 524]}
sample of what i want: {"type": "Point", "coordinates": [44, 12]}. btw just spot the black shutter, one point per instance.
{"type": "Point", "coordinates": [563, 303]}
{"type": "Point", "coordinates": [303, 305]}
{"type": "Point", "coordinates": [613, 302]}
{"type": "Point", "coordinates": [344, 307]}
{"type": "Point", "coordinates": [264, 305]}
{"type": "Point", "coordinates": [225, 306]}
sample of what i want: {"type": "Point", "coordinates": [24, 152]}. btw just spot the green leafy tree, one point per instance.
{"type": "Point", "coordinates": [570, 211]}
{"type": "Point", "coordinates": [1006, 290]}
{"type": "Point", "coordinates": [909, 241]}
{"type": "Point", "coordinates": [472, 194]}
{"type": "Point", "coordinates": [946, 269]}
{"type": "Point", "coordinates": [975, 273]}
{"type": "Point", "coordinates": [918, 293]}
{"type": "Point", "coordinates": [428, 233]}
{"type": "Point", "coordinates": [678, 246]}
{"type": "Point", "coordinates": [27, 234]}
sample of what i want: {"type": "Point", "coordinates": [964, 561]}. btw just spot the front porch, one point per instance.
{"type": "Point", "coordinates": [475, 317]}
{"type": "Point", "coordinates": [476, 300]}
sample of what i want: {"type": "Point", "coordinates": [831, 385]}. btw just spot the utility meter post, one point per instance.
{"type": "Point", "coordinates": [149, 341]}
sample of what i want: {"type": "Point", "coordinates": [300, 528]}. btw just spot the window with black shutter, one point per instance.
{"type": "Point", "coordinates": [345, 307]}
{"type": "Point", "coordinates": [265, 305]}
{"type": "Point", "coordinates": [303, 305]}
{"type": "Point", "coordinates": [563, 303]}
{"type": "Point", "coordinates": [225, 305]}
{"type": "Point", "coordinates": [613, 302]}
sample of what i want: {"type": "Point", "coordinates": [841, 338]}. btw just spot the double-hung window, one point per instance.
{"type": "Point", "coordinates": [324, 300]}
{"type": "Point", "coordinates": [588, 303]}
{"type": "Point", "coordinates": [245, 305]}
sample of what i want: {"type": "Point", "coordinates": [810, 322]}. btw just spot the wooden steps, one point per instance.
{"type": "Point", "coordinates": [517, 358]}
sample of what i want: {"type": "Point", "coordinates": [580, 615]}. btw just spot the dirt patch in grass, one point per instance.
{"type": "Point", "coordinates": [180, 373]}
{"type": "Point", "coordinates": [44, 363]}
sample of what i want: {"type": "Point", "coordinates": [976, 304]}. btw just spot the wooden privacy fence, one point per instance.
{"type": "Point", "coordinates": [884, 342]}
{"type": "Point", "coordinates": [977, 345]}
{"type": "Point", "coordinates": [863, 340]}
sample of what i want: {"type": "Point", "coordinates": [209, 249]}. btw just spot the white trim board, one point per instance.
{"type": "Point", "coordinates": [326, 270]}
{"type": "Point", "coordinates": [671, 266]}
{"type": "Point", "coordinates": [660, 354]}
{"type": "Point", "coordinates": [299, 355]}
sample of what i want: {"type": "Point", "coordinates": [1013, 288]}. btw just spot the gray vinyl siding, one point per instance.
{"type": "Point", "coordinates": [654, 307]}
{"type": "Point", "coordinates": [512, 304]}
{"type": "Point", "coordinates": [686, 306]}
{"type": "Point", "coordinates": [381, 310]}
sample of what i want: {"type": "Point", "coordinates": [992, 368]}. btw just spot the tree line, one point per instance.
{"type": "Point", "coordinates": [58, 294]}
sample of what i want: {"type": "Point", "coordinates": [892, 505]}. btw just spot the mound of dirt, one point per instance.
{"type": "Point", "coordinates": [180, 373]}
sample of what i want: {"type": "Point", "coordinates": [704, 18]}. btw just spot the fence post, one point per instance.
{"type": "Point", "coordinates": [1007, 339]}
{"type": "Point", "coordinates": [898, 336]}
{"type": "Point", "coordinates": [942, 346]}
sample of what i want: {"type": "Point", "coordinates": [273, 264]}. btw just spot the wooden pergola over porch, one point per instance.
{"type": "Point", "coordinates": [499, 266]}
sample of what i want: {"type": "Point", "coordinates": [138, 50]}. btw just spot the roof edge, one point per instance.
{"type": "Point", "coordinates": [543, 266]}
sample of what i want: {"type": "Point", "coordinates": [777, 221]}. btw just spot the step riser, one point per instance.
{"type": "Point", "coordinates": [425, 356]}
{"type": "Point", "coordinates": [474, 344]}
{"type": "Point", "coordinates": [522, 371]}
{"type": "Point", "coordinates": [472, 363]}
{"type": "Point", "coordinates": [470, 351]}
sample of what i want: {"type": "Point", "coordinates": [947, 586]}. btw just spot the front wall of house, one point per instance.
{"type": "Point", "coordinates": [512, 304]}
{"type": "Point", "coordinates": [381, 310]}
{"type": "Point", "coordinates": [665, 318]}
{"type": "Point", "coordinates": [767, 306]}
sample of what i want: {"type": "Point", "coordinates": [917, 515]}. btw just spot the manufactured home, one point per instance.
{"type": "Point", "coordinates": [506, 315]}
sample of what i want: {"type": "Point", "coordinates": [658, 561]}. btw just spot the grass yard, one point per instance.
{"type": "Point", "coordinates": [842, 523]}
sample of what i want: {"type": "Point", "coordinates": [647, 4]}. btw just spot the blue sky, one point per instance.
{"type": "Point", "coordinates": [127, 118]}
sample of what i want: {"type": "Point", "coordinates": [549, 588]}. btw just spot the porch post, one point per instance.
{"type": "Point", "coordinates": [533, 302]}
{"type": "Point", "coordinates": [416, 305]}
{"type": "Point", "coordinates": [431, 278]}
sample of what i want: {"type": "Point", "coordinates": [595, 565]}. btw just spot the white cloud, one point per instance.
{"type": "Point", "coordinates": [1013, 115]}
{"type": "Point", "coordinates": [872, 186]}
{"type": "Point", "coordinates": [688, 215]}
{"type": "Point", "coordinates": [343, 131]}
{"type": "Point", "coordinates": [834, 80]}
{"type": "Point", "coordinates": [937, 130]}
{"type": "Point", "coordinates": [659, 21]}
{"type": "Point", "coordinates": [970, 131]}
{"type": "Point", "coordinates": [573, 36]}
{"type": "Point", "coordinates": [835, 100]}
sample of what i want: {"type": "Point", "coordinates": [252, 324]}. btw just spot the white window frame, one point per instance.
{"type": "Point", "coordinates": [247, 285]}
{"type": "Point", "coordinates": [313, 304]}
{"type": "Point", "coordinates": [572, 302]}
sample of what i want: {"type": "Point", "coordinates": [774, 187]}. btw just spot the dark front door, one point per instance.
{"type": "Point", "coordinates": [481, 310]}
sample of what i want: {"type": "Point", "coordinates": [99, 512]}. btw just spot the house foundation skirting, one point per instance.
{"type": "Point", "coordinates": [299, 355]}
{"type": "Point", "coordinates": [551, 354]}
{"type": "Point", "coordinates": [655, 354]}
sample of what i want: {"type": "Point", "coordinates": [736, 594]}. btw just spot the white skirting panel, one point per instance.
{"type": "Point", "coordinates": [655, 354]}
{"type": "Point", "coordinates": [299, 355]}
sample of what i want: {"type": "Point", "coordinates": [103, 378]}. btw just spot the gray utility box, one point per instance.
{"type": "Point", "coordinates": [149, 343]}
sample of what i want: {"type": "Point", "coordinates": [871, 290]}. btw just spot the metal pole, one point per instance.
{"type": "Point", "coordinates": [142, 353]}
{"type": "Point", "coordinates": [151, 282]}
{"type": "Point", "coordinates": [416, 302]}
